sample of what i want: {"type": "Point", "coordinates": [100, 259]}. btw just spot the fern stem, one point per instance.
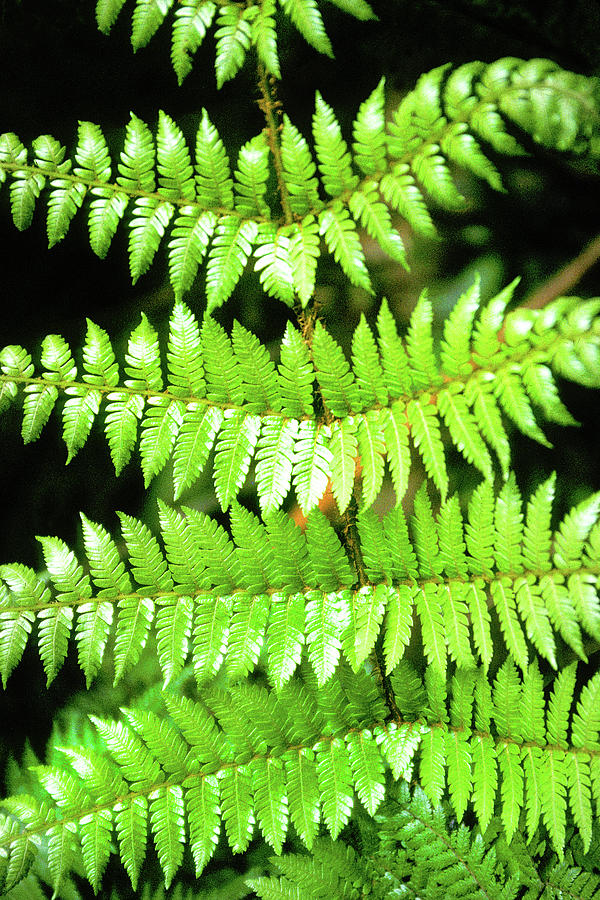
{"type": "Point", "coordinates": [351, 540]}
{"type": "Point", "coordinates": [271, 108]}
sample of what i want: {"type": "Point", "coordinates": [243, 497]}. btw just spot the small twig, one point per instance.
{"type": "Point", "coordinates": [566, 278]}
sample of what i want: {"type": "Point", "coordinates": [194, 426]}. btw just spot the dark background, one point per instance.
{"type": "Point", "coordinates": [56, 68]}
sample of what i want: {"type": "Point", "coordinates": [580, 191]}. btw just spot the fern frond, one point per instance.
{"type": "Point", "coordinates": [393, 392]}
{"type": "Point", "coordinates": [237, 757]}
{"type": "Point", "coordinates": [194, 17]}
{"type": "Point", "coordinates": [415, 850]}
{"type": "Point", "coordinates": [232, 37]}
{"type": "Point", "coordinates": [463, 579]}
{"type": "Point", "coordinates": [403, 167]}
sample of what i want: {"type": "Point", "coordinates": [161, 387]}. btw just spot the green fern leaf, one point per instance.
{"type": "Point", "coordinates": [104, 217]}
{"type": "Point", "coordinates": [369, 133]}
{"type": "Point", "coordinates": [195, 440]}
{"type": "Point", "coordinates": [26, 186]}
{"type": "Point", "coordinates": [303, 793]}
{"type": "Point", "coordinates": [332, 151]}
{"type": "Point", "coordinates": [264, 38]}
{"type": "Point", "coordinates": [211, 623]}
{"type": "Point", "coordinates": [136, 169]}
{"type": "Point", "coordinates": [214, 184]}
{"type": "Point", "coordinates": [312, 462]}
{"type": "Point", "coordinates": [338, 387]}
{"type": "Point", "coordinates": [236, 805]}
{"type": "Point", "coordinates": [160, 428]}
{"type": "Point", "coordinates": [512, 787]}
{"type": "Point", "coordinates": [541, 387]}
{"type": "Point", "coordinates": [187, 570]}
{"type": "Point", "coordinates": [184, 354]}
{"type": "Point", "coordinates": [147, 18]}
{"type": "Point", "coordinates": [175, 172]}
{"type": "Point", "coordinates": [517, 407]}
{"type": "Point", "coordinates": [455, 349]}
{"type": "Point", "coordinates": [344, 448]}
{"type": "Point", "coordinates": [374, 216]}
{"type": "Point", "coordinates": [94, 165]}
{"type": "Point", "coordinates": [285, 635]}
{"type": "Point", "coordinates": [397, 626]}
{"type": "Point", "coordinates": [246, 632]}
{"type": "Point", "coordinates": [307, 19]}
{"type": "Point", "coordinates": [367, 769]}
{"type": "Point", "coordinates": [151, 218]}
{"type": "Point", "coordinates": [426, 438]}
{"type": "Point", "coordinates": [299, 170]}
{"type": "Point", "coordinates": [223, 375]}
{"type": "Point", "coordinates": [66, 196]}
{"type": "Point", "coordinates": [94, 621]}
{"type": "Point", "coordinates": [367, 367]}
{"type": "Point", "coordinates": [395, 430]}
{"type": "Point", "coordinates": [227, 257]}
{"type": "Point", "coordinates": [202, 803]}
{"type": "Point", "coordinates": [131, 827]}
{"type": "Point", "coordinates": [216, 549]}
{"type": "Point", "coordinates": [419, 345]}
{"type": "Point", "coordinates": [289, 547]}
{"type": "Point", "coordinates": [166, 822]}
{"type": "Point", "coordinates": [461, 148]}
{"type": "Point", "coordinates": [323, 621]}
{"type": "Point", "coordinates": [235, 448]}
{"type": "Point", "coordinates": [360, 9]}
{"type": "Point", "coordinates": [173, 630]}
{"type": "Point", "coordinates": [400, 191]}
{"type": "Point", "coordinates": [458, 754]}
{"type": "Point", "coordinates": [107, 12]}
{"type": "Point", "coordinates": [79, 413]}
{"type": "Point", "coordinates": [296, 375]}
{"type": "Point", "coordinates": [462, 426]}
{"type": "Point", "coordinates": [371, 449]}
{"type": "Point", "coordinates": [574, 530]}
{"type": "Point", "coordinates": [250, 178]}
{"type": "Point", "coordinates": [304, 252]}
{"type": "Point", "coordinates": [480, 397]}
{"type": "Point", "coordinates": [272, 261]}
{"type": "Point", "coordinates": [192, 21]}
{"type": "Point", "coordinates": [257, 370]}
{"type": "Point", "coordinates": [274, 461]}
{"type": "Point", "coordinates": [191, 236]}
{"type": "Point", "coordinates": [433, 763]}
{"type": "Point", "coordinates": [430, 613]}
{"type": "Point", "coordinates": [368, 615]}
{"type": "Point", "coordinates": [257, 564]}
{"type": "Point", "coordinates": [342, 240]}
{"type": "Point", "coordinates": [335, 784]}
{"type": "Point", "coordinates": [16, 626]}
{"type": "Point", "coordinates": [54, 629]}
{"type": "Point", "coordinates": [393, 355]}
{"type": "Point", "coordinates": [326, 553]}
{"type": "Point", "coordinates": [40, 399]}
{"type": "Point", "coordinates": [268, 784]}
{"type": "Point", "coordinates": [233, 37]}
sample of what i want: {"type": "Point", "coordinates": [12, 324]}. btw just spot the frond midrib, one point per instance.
{"type": "Point", "coordinates": [433, 137]}
{"type": "Point", "coordinates": [276, 752]}
{"type": "Point", "coordinates": [506, 363]}
{"type": "Point", "coordinates": [210, 595]}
